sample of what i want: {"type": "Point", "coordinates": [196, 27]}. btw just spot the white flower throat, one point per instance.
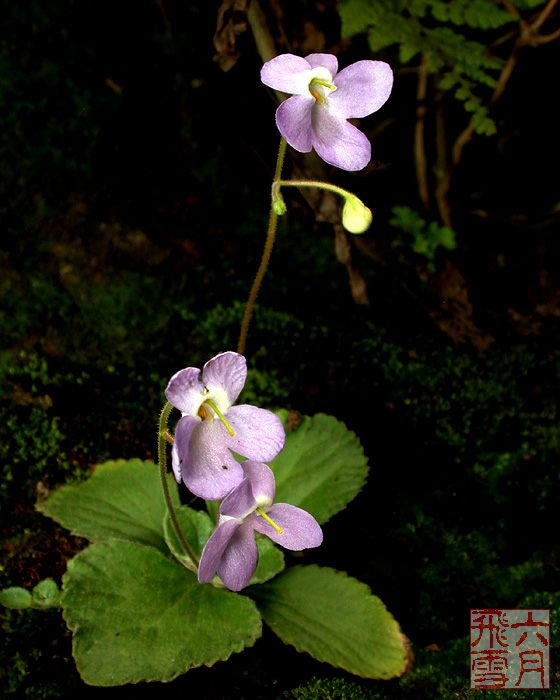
{"type": "Point", "coordinates": [321, 89]}
{"type": "Point", "coordinates": [204, 414]}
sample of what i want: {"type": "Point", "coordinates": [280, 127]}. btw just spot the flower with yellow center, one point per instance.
{"type": "Point", "coordinates": [232, 551]}
{"type": "Point", "coordinates": [211, 428]}
{"type": "Point", "coordinates": [323, 100]}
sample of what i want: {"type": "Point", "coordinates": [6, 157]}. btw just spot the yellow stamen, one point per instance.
{"type": "Point", "coordinates": [220, 416]}
{"type": "Point", "coordinates": [322, 82]}
{"type": "Point", "coordinates": [270, 521]}
{"type": "Point", "coordinates": [317, 96]}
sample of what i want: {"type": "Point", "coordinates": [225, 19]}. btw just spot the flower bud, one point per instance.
{"type": "Point", "coordinates": [356, 217]}
{"type": "Point", "coordinates": [279, 206]}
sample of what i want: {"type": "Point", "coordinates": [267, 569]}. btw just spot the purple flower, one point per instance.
{"type": "Point", "coordinates": [323, 100]}
{"type": "Point", "coordinates": [211, 427]}
{"type": "Point", "coordinates": [231, 551]}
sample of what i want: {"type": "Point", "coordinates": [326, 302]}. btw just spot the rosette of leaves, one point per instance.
{"type": "Point", "coordinates": [137, 611]}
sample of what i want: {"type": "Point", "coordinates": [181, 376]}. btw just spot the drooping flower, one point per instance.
{"type": "Point", "coordinates": [211, 427]}
{"type": "Point", "coordinates": [315, 117]}
{"type": "Point", "coordinates": [232, 551]}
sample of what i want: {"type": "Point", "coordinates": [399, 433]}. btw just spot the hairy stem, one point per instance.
{"type": "Point", "coordinates": [317, 184]}
{"type": "Point", "coordinates": [270, 238]}
{"type": "Point", "coordinates": [162, 464]}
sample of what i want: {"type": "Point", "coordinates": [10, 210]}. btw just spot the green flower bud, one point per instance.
{"type": "Point", "coordinates": [277, 200]}
{"type": "Point", "coordinates": [356, 217]}
{"type": "Point", "coordinates": [279, 206]}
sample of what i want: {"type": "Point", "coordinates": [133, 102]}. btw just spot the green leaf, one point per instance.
{"type": "Point", "coordinates": [434, 34]}
{"type": "Point", "coordinates": [46, 594]}
{"type": "Point", "coordinates": [356, 16]}
{"type": "Point", "coordinates": [196, 527]}
{"type": "Point", "coordinates": [121, 500]}
{"type": "Point", "coordinates": [407, 219]}
{"type": "Point", "coordinates": [422, 246]}
{"type": "Point", "coordinates": [213, 507]}
{"type": "Point", "coordinates": [321, 468]}
{"type": "Point", "coordinates": [407, 52]}
{"type": "Point", "coordinates": [447, 238]}
{"type": "Point", "coordinates": [16, 598]}
{"type": "Point", "coordinates": [335, 618]}
{"type": "Point", "coordinates": [472, 105]}
{"type": "Point", "coordinates": [138, 616]}
{"type": "Point", "coordinates": [426, 238]}
{"type": "Point", "coordinates": [271, 560]}
{"type": "Point", "coordinates": [484, 125]}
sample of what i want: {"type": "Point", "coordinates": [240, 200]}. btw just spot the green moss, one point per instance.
{"type": "Point", "coordinates": [35, 656]}
{"type": "Point", "coordinates": [334, 689]}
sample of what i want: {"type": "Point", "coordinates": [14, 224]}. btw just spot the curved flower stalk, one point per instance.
{"type": "Point", "coordinates": [211, 427]}
{"type": "Point", "coordinates": [316, 116]}
{"type": "Point", "coordinates": [232, 551]}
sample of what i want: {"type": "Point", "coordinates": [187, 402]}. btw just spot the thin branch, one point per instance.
{"type": "Point", "coordinates": [443, 172]}
{"type": "Point", "coordinates": [420, 160]}
{"type": "Point", "coordinates": [164, 14]}
{"type": "Point", "coordinates": [528, 37]}
{"type": "Point", "coordinates": [544, 15]}
{"type": "Point", "coordinates": [511, 8]}
{"type": "Point", "coordinates": [547, 38]}
{"type": "Point", "coordinates": [263, 38]}
{"type": "Point", "coordinates": [514, 11]}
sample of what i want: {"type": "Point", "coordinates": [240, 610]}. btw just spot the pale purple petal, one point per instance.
{"type": "Point", "coordinates": [180, 449]}
{"type": "Point", "coordinates": [318, 120]}
{"type": "Point", "coordinates": [337, 142]}
{"type": "Point", "coordinates": [239, 502]}
{"type": "Point", "coordinates": [293, 119]}
{"type": "Point", "coordinates": [226, 372]}
{"type": "Point", "coordinates": [184, 390]}
{"type": "Point", "coordinates": [214, 549]}
{"type": "Point", "coordinates": [301, 530]}
{"type": "Point", "coordinates": [283, 73]}
{"type": "Point", "coordinates": [209, 469]}
{"type": "Point", "coordinates": [259, 434]}
{"type": "Point", "coordinates": [261, 478]}
{"type": "Point", "coordinates": [240, 558]}
{"type": "Point", "coordinates": [362, 89]}
{"type": "Point", "coordinates": [326, 60]}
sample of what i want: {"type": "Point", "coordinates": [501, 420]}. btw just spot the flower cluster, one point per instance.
{"type": "Point", "coordinates": [210, 430]}
{"type": "Point", "coordinates": [323, 100]}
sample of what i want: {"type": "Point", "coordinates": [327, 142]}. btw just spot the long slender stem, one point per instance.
{"type": "Point", "coordinates": [162, 464]}
{"type": "Point", "coordinates": [317, 184]}
{"type": "Point", "coordinates": [270, 238]}
{"type": "Point", "coordinates": [280, 159]}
